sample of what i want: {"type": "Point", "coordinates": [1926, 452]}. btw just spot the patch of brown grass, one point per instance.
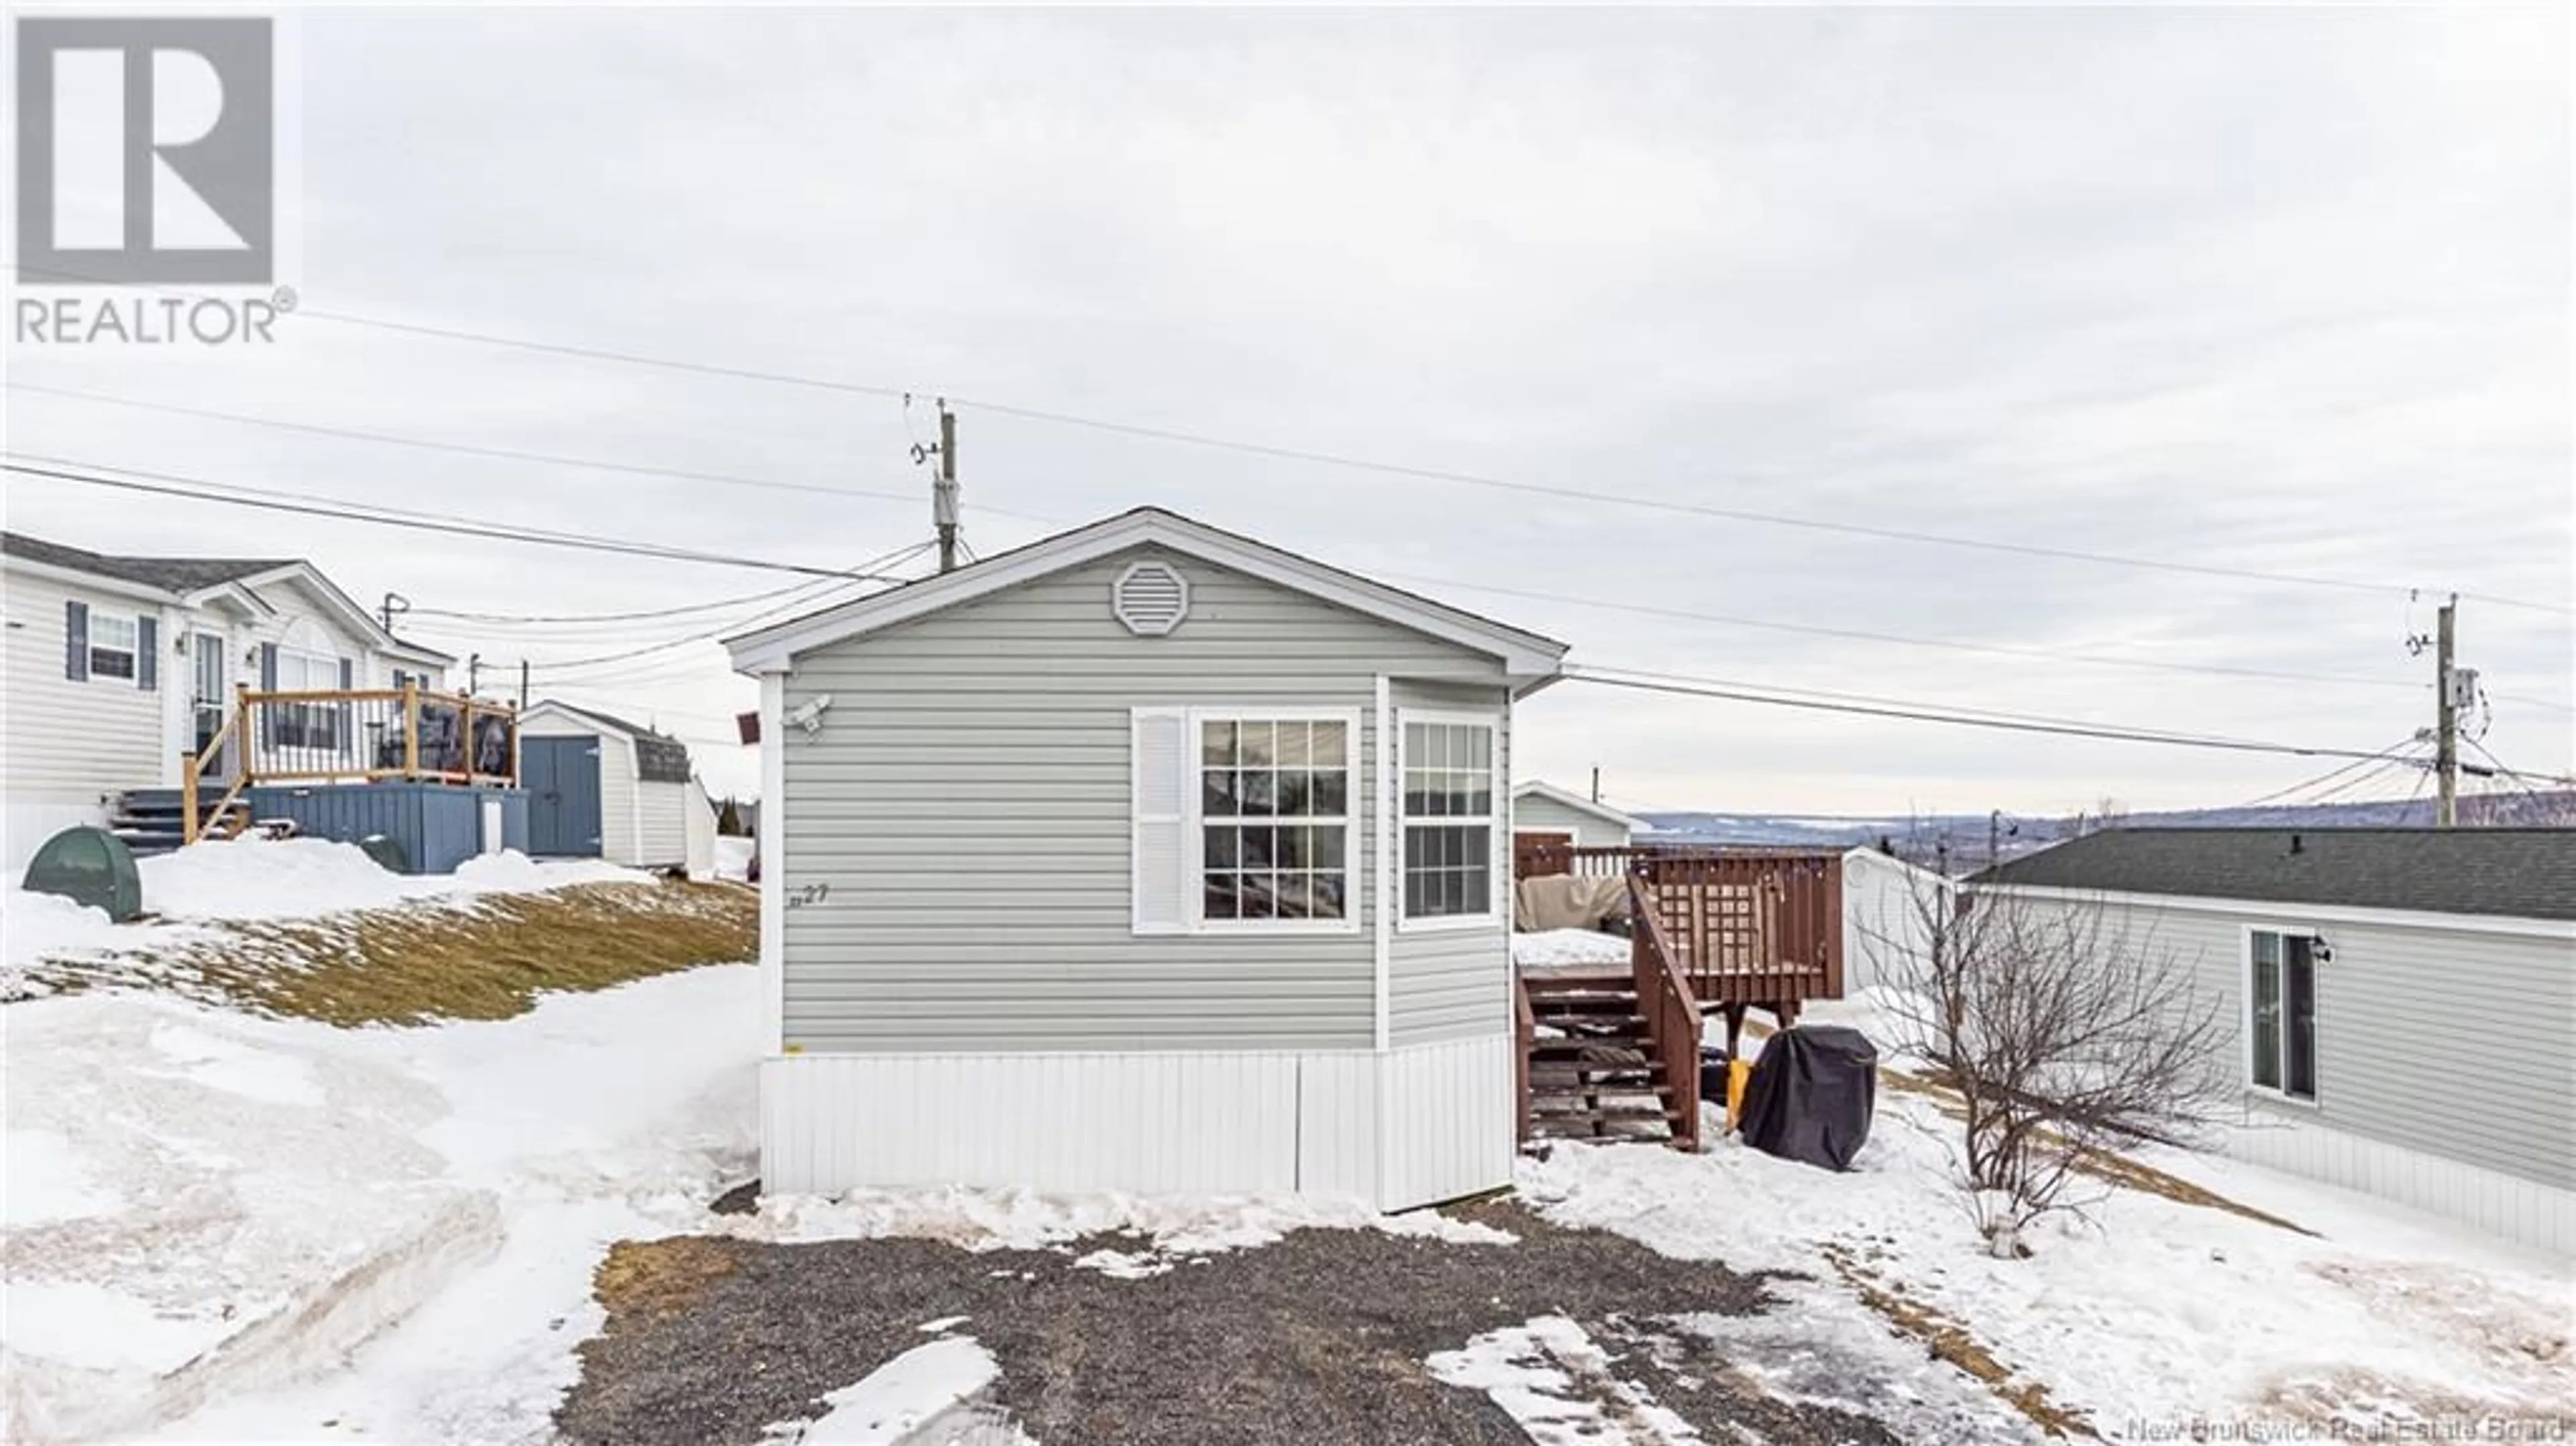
{"type": "Point", "coordinates": [487, 957]}
{"type": "Point", "coordinates": [415, 965]}
{"type": "Point", "coordinates": [657, 1279]}
{"type": "Point", "coordinates": [1949, 1341]}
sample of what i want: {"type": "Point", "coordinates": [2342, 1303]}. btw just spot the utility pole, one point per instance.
{"type": "Point", "coordinates": [1596, 783]}
{"type": "Point", "coordinates": [473, 674]}
{"type": "Point", "coordinates": [393, 605]}
{"type": "Point", "coordinates": [943, 493]}
{"type": "Point", "coordinates": [1994, 838]}
{"type": "Point", "coordinates": [2446, 721]}
{"type": "Point", "coordinates": [523, 685]}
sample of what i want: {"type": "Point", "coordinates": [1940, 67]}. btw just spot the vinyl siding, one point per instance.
{"type": "Point", "coordinates": [1549, 816]}
{"type": "Point", "coordinates": [2455, 1044]}
{"type": "Point", "coordinates": [663, 832]}
{"type": "Point", "coordinates": [1445, 983]}
{"type": "Point", "coordinates": [63, 742]}
{"type": "Point", "coordinates": [960, 824]}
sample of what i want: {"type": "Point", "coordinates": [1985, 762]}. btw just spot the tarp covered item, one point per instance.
{"type": "Point", "coordinates": [1563, 901]}
{"type": "Point", "coordinates": [1811, 1095]}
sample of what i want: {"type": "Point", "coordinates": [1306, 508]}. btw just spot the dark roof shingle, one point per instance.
{"type": "Point", "coordinates": [177, 574]}
{"type": "Point", "coordinates": [2525, 873]}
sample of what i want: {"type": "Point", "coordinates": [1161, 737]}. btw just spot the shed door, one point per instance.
{"type": "Point", "coordinates": [561, 776]}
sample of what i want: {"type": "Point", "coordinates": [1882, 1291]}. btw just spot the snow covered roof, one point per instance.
{"type": "Point", "coordinates": [2524, 873]}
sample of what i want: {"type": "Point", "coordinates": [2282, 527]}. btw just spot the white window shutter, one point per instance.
{"type": "Point", "coordinates": [1158, 809]}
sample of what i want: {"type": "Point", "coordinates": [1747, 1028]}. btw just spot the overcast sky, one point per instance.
{"type": "Point", "coordinates": [2281, 291]}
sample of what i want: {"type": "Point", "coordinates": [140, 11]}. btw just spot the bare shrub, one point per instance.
{"type": "Point", "coordinates": [2066, 1034]}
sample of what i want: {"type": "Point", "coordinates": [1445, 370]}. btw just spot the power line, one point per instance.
{"type": "Point", "coordinates": [512, 619]}
{"type": "Point", "coordinates": [811, 603]}
{"type": "Point", "coordinates": [469, 449]}
{"type": "Point", "coordinates": [271, 500]}
{"type": "Point", "coordinates": [1366, 464]}
{"type": "Point", "coordinates": [2000, 649]}
{"type": "Point", "coordinates": [1745, 693]}
{"type": "Point", "coordinates": [2391, 751]}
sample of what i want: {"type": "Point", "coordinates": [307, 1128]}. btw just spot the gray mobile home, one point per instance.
{"type": "Point", "coordinates": [1144, 857]}
{"type": "Point", "coordinates": [1545, 813]}
{"type": "Point", "coordinates": [2402, 1001]}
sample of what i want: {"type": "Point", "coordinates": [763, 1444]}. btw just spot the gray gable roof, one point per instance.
{"type": "Point", "coordinates": [2527, 873]}
{"type": "Point", "coordinates": [176, 574]}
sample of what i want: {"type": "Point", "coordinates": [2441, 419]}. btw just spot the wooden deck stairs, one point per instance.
{"type": "Point", "coordinates": [1593, 1065]}
{"type": "Point", "coordinates": [1612, 1053]}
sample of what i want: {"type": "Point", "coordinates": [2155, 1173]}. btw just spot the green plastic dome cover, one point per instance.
{"type": "Point", "coordinates": [89, 866]}
{"type": "Point", "coordinates": [388, 853]}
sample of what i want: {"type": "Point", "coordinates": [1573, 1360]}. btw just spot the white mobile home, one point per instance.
{"type": "Point", "coordinates": [2402, 1001]}
{"type": "Point", "coordinates": [119, 667]}
{"type": "Point", "coordinates": [1145, 857]}
{"type": "Point", "coordinates": [1545, 813]}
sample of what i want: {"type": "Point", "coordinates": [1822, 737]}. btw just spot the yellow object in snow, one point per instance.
{"type": "Point", "coordinates": [1737, 1071]}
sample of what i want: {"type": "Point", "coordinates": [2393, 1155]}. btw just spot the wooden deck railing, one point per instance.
{"type": "Point", "coordinates": [1748, 926]}
{"type": "Point", "coordinates": [1664, 997]}
{"type": "Point", "coordinates": [351, 735]}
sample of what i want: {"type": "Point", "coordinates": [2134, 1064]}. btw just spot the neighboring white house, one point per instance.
{"type": "Point", "coordinates": [116, 666]}
{"type": "Point", "coordinates": [1884, 899]}
{"type": "Point", "coordinates": [1542, 809]}
{"type": "Point", "coordinates": [601, 787]}
{"type": "Point", "coordinates": [1144, 857]}
{"type": "Point", "coordinates": [2400, 1003]}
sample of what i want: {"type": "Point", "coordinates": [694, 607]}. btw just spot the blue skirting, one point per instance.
{"type": "Point", "coordinates": [439, 825]}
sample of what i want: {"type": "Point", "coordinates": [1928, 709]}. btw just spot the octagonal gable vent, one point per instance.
{"type": "Point", "coordinates": [1150, 598]}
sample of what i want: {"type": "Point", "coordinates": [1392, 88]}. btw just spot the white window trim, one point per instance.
{"type": "Point", "coordinates": [133, 649]}
{"type": "Point", "coordinates": [1194, 814]}
{"type": "Point", "coordinates": [1498, 824]}
{"type": "Point", "coordinates": [2245, 1016]}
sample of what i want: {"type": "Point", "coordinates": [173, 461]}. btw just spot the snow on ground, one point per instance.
{"type": "Point", "coordinates": [733, 857]}
{"type": "Point", "coordinates": [213, 1213]}
{"type": "Point", "coordinates": [252, 878]}
{"type": "Point", "coordinates": [1173, 1228]}
{"type": "Point", "coordinates": [301, 878]}
{"type": "Point", "coordinates": [2156, 1312]}
{"type": "Point", "coordinates": [891, 1403]}
{"type": "Point", "coordinates": [1550, 1377]}
{"type": "Point", "coordinates": [1556, 948]}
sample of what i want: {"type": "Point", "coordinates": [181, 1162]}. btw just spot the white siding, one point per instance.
{"type": "Point", "coordinates": [1536, 813]}
{"type": "Point", "coordinates": [1406, 1128]}
{"type": "Point", "coordinates": [662, 825]}
{"type": "Point", "coordinates": [961, 819]}
{"type": "Point", "coordinates": [2450, 1043]}
{"type": "Point", "coordinates": [1449, 1126]}
{"type": "Point", "coordinates": [64, 745]}
{"type": "Point", "coordinates": [1883, 923]}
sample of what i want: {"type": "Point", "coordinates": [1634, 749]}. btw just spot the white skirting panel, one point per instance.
{"type": "Point", "coordinates": [1404, 1128]}
{"type": "Point", "coordinates": [1448, 1113]}
{"type": "Point", "coordinates": [2520, 1210]}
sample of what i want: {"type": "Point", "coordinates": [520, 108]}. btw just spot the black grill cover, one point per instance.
{"type": "Point", "coordinates": [1811, 1094]}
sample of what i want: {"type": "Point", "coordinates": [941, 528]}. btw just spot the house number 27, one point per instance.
{"type": "Point", "coordinates": [805, 894]}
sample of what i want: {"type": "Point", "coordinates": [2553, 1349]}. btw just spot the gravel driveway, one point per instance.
{"type": "Point", "coordinates": [1319, 1338]}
